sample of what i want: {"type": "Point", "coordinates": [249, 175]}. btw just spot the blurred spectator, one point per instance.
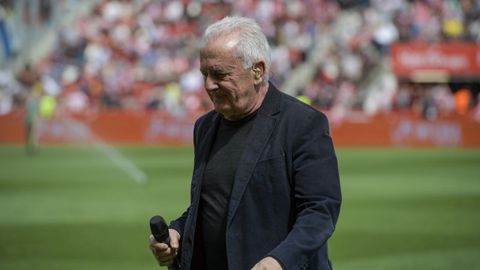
{"type": "Point", "coordinates": [4, 35]}
{"type": "Point", "coordinates": [462, 101]}
{"type": "Point", "coordinates": [9, 89]}
{"type": "Point", "coordinates": [31, 121]}
{"type": "Point", "coordinates": [476, 110]}
{"type": "Point", "coordinates": [28, 76]}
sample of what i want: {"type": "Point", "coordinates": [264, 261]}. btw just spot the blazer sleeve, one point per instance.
{"type": "Point", "coordinates": [316, 194]}
{"type": "Point", "coordinates": [179, 223]}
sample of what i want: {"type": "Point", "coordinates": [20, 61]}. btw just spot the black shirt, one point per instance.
{"type": "Point", "coordinates": [217, 185]}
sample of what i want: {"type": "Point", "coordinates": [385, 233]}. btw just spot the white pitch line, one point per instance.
{"type": "Point", "coordinates": [120, 161]}
{"type": "Point", "coordinates": [82, 132]}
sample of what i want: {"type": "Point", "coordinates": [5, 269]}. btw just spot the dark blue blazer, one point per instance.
{"type": "Point", "coordinates": [285, 199]}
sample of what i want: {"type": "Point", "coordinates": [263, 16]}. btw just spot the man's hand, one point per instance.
{"type": "Point", "coordinates": [163, 253]}
{"type": "Point", "coordinates": [267, 263]}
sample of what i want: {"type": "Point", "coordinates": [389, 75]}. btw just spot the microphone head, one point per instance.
{"type": "Point", "coordinates": [159, 229]}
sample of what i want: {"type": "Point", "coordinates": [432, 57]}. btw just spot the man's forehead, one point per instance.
{"type": "Point", "coordinates": [227, 41]}
{"type": "Point", "coordinates": [223, 66]}
{"type": "Point", "coordinates": [218, 51]}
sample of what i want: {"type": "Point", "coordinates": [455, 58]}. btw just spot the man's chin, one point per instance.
{"type": "Point", "coordinates": [222, 108]}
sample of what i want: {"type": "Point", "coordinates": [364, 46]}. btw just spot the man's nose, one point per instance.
{"type": "Point", "coordinates": [210, 84]}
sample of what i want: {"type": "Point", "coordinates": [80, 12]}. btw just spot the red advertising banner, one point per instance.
{"type": "Point", "coordinates": [440, 59]}
{"type": "Point", "coordinates": [124, 127]}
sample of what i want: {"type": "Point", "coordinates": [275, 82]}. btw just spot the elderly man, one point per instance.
{"type": "Point", "coordinates": [265, 190]}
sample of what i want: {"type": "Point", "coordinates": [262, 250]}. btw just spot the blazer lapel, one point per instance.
{"type": "Point", "coordinates": [204, 151]}
{"type": "Point", "coordinates": [262, 129]}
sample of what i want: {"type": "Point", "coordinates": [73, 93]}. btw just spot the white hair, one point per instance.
{"type": "Point", "coordinates": [252, 44]}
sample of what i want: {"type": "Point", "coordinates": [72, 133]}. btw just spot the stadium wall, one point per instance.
{"type": "Point", "coordinates": [124, 127]}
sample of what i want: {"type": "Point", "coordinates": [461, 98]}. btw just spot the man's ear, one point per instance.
{"type": "Point", "coordinates": [258, 72]}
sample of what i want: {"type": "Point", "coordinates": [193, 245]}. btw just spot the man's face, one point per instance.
{"type": "Point", "coordinates": [229, 85]}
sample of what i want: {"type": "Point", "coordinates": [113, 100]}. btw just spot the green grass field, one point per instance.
{"type": "Point", "coordinates": [72, 208]}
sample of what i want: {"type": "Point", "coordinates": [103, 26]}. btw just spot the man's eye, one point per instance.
{"type": "Point", "coordinates": [219, 75]}
{"type": "Point", "coordinates": [216, 75]}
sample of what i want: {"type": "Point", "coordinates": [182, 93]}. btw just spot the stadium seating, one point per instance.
{"type": "Point", "coordinates": [141, 55]}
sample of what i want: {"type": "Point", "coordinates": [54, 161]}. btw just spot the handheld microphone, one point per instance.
{"type": "Point", "coordinates": [159, 230]}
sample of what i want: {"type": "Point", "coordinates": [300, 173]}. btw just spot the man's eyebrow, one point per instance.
{"type": "Point", "coordinates": [221, 70]}
{"type": "Point", "coordinates": [217, 69]}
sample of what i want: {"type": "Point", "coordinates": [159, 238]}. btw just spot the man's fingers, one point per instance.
{"type": "Point", "coordinates": [162, 247]}
{"type": "Point", "coordinates": [154, 243]}
{"type": "Point", "coordinates": [163, 253]}
{"type": "Point", "coordinates": [164, 261]}
{"type": "Point", "coordinates": [166, 252]}
{"type": "Point", "coordinates": [174, 237]}
{"type": "Point", "coordinates": [267, 263]}
{"type": "Point", "coordinates": [164, 257]}
{"type": "Point", "coordinates": [152, 239]}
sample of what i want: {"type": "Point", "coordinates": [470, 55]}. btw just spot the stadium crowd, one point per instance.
{"type": "Point", "coordinates": [142, 55]}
